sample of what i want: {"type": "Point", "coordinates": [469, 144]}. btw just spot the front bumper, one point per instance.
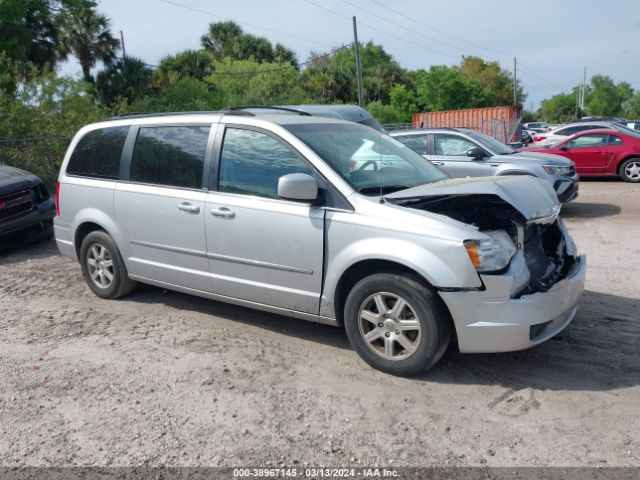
{"type": "Point", "coordinates": [41, 213]}
{"type": "Point", "coordinates": [566, 188]}
{"type": "Point", "coordinates": [492, 321]}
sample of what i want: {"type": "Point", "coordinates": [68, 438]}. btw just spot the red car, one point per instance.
{"type": "Point", "coordinates": [601, 153]}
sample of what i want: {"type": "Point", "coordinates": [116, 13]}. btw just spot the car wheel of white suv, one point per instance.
{"type": "Point", "coordinates": [396, 324]}
{"type": "Point", "coordinates": [102, 266]}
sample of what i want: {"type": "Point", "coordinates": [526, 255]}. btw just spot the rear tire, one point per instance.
{"type": "Point", "coordinates": [630, 170]}
{"type": "Point", "coordinates": [103, 267]}
{"type": "Point", "coordinates": [396, 324]}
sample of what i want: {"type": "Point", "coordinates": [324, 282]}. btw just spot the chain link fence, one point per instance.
{"type": "Point", "coordinates": [39, 155]}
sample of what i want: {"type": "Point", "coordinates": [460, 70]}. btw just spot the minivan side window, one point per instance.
{"type": "Point", "coordinates": [170, 156]}
{"type": "Point", "coordinates": [252, 162]}
{"type": "Point", "coordinates": [97, 154]}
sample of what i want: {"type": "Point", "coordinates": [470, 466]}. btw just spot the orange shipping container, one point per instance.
{"type": "Point", "coordinates": [499, 122]}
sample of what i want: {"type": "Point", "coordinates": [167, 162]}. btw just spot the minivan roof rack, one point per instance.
{"type": "Point", "coordinates": [242, 108]}
{"type": "Point", "coordinates": [160, 114]}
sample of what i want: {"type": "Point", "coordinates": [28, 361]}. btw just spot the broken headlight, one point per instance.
{"type": "Point", "coordinates": [491, 254]}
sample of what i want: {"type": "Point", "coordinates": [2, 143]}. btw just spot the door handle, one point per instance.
{"type": "Point", "coordinates": [222, 212]}
{"type": "Point", "coordinates": [187, 207]}
{"type": "Point", "coordinates": [439, 164]}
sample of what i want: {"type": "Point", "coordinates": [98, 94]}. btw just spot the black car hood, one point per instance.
{"type": "Point", "coordinates": [14, 179]}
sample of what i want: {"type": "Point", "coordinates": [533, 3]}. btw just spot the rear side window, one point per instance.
{"type": "Point", "coordinates": [615, 140]}
{"type": "Point", "coordinates": [588, 141]}
{"type": "Point", "coordinates": [97, 154]}
{"type": "Point", "coordinates": [170, 156]}
{"type": "Point", "coordinates": [252, 162]}
{"type": "Point", "coordinates": [417, 143]}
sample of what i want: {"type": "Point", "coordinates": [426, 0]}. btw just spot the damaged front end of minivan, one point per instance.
{"type": "Point", "coordinates": [530, 270]}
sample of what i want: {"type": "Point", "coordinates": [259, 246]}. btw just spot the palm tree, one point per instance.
{"type": "Point", "coordinates": [86, 34]}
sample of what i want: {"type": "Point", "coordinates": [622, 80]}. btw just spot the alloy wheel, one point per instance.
{"type": "Point", "coordinates": [632, 170]}
{"type": "Point", "coordinates": [389, 326]}
{"type": "Point", "coordinates": [100, 265]}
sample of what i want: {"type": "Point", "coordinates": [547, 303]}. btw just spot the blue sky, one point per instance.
{"type": "Point", "coordinates": [552, 41]}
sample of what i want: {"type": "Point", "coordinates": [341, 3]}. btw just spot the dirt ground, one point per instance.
{"type": "Point", "coordinates": [162, 378]}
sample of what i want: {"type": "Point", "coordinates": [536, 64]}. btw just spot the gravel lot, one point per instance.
{"type": "Point", "coordinates": [162, 378]}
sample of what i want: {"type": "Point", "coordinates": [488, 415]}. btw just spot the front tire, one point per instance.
{"type": "Point", "coordinates": [396, 324]}
{"type": "Point", "coordinates": [630, 170]}
{"type": "Point", "coordinates": [103, 267]}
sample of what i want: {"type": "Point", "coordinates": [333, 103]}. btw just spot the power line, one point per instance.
{"type": "Point", "coordinates": [169, 2]}
{"type": "Point", "coordinates": [381, 31]}
{"type": "Point", "coordinates": [539, 78]}
{"type": "Point", "coordinates": [401, 26]}
{"type": "Point", "coordinates": [438, 31]}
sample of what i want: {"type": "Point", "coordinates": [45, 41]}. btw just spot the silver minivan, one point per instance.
{"type": "Point", "coordinates": [269, 212]}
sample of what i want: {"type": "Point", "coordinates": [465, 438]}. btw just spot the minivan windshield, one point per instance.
{"type": "Point", "coordinates": [496, 146]}
{"type": "Point", "coordinates": [372, 162]}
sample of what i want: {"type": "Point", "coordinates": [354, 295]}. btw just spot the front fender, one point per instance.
{"type": "Point", "coordinates": [446, 265]}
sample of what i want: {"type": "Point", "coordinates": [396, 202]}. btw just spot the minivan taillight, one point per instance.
{"type": "Point", "coordinates": [57, 198]}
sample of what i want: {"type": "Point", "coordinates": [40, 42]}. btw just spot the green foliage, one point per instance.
{"type": "Point", "coordinates": [632, 107]}
{"type": "Point", "coordinates": [231, 68]}
{"type": "Point", "coordinates": [48, 110]}
{"type": "Point", "coordinates": [495, 82]}
{"type": "Point", "coordinates": [186, 64]}
{"type": "Point", "coordinates": [445, 88]}
{"type": "Point", "coordinates": [560, 108]}
{"type": "Point", "coordinates": [605, 98]}
{"type": "Point", "coordinates": [28, 36]}
{"type": "Point", "coordinates": [400, 109]}
{"type": "Point", "coordinates": [127, 79]}
{"type": "Point", "coordinates": [87, 34]}
{"type": "Point", "coordinates": [227, 40]}
{"type": "Point", "coordinates": [251, 82]}
{"type": "Point", "coordinates": [332, 79]}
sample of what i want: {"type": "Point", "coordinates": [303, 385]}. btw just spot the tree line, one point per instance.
{"type": "Point", "coordinates": [232, 67]}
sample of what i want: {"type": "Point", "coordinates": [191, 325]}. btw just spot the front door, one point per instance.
{"type": "Point", "coordinates": [262, 248]}
{"type": "Point", "coordinates": [161, 207]}
{"type": "Point", "coordinates": [589, 152]}
{"type": "Point", "coordinates": [450, 154]}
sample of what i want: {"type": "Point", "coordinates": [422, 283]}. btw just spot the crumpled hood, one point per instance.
{"type": "Point", "coordinates": [14, 179]}
{"type": "Point", "coordinates": [538, 157]}
{"type": "Point", "coordinates": [533, 198]}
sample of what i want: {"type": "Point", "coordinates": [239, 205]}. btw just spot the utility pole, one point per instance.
{"type": "Point", "coordinates": [515, 82]}
{"type": "Point", "coordinates": [358, 64]}
{"type": "Point", "coordinates": [584, 89]}
{"type": "Point", "coordinates": [124, 52]}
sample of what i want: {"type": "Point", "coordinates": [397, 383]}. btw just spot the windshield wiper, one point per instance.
{"type": "Point", "coordinates": [382, 190]}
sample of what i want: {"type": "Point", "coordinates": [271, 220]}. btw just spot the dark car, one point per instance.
{"type": "Point", "coordinates": [351, 113]}
{"type": "Point", "coordinates": [26, 208]}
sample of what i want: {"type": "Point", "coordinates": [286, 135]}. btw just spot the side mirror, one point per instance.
{"type": "Point", "coordinates": [476, 153]}
{"type": "Point", "coordinates": [298, 186]}
{"type": "Point", "coordinates": [564, 148]}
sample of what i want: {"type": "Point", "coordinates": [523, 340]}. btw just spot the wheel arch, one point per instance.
{"type": "Point", "coordinates": [363, 268]}
{"type": "Point", "coordinates": [82, 231]}
{"type": "Point", "coordinates": [624, 159]}
{"type": "Point", "coordinates": [91, 219]}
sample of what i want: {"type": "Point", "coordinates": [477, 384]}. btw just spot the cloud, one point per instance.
{"type": "Point", "coordinates": [636, 26]}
